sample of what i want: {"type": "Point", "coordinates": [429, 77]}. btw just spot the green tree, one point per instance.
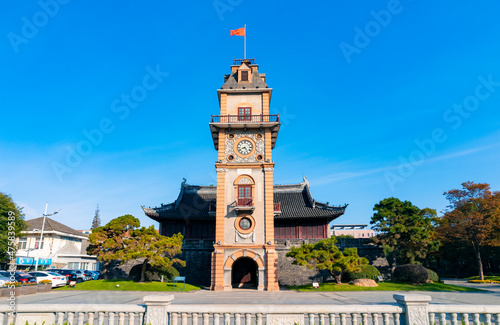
{"type": "Point", "coordinates": [404, 231]}
{"type": "Point", "coordinates": [122, 240]}
{"type": "Point", "coordinates": [107, 241]}
{"type": "Point", "coordinates": [473, 217]}
{"type": "Point", "coordinates": [96, 222]}
{"type": "Point", "coordinates": [325, 255]}
{"type": "Point", "coordinates": [11, 224]}
{"type": "Point", "coordinates": [159, 251]}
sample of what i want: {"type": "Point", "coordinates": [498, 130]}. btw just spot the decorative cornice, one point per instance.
{"type": "Point", "coordinates": [244, 165]}
{"type": "Point", "coordinates": [220, 170]}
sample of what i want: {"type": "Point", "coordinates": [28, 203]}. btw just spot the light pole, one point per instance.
{"type": "Point", "coordinates": [40, 244]}
{"type": "Point", "coordinates": [28, 254]}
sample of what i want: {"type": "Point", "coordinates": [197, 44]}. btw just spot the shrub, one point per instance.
{"type": "Point", "coordinates": [44, 282]}
{"type": "Point", "coordinates": [433, 276]}
{"type": "Point", "coordinates": [153, 273]}
{"type": "Point", "coordinates": [17, 284]}
{"type": "Point", "coordinates": [410, 273]}
{"type": "Point", "coordinates": [366, 272]}
{"type": "Point", "coordinates": [483, 281]}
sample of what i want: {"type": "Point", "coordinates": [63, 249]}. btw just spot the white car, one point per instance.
{"type": "Point", "coordinates": [58, 280]}
{"type": "Point", "coordinates": [3, 280]}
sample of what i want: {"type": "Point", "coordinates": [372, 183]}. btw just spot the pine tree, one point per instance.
{"type": "Point", "coordinates": [96, 222]}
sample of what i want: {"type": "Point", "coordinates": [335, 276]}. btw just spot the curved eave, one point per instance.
{"type": "Point", "coordinates": [152, 213]}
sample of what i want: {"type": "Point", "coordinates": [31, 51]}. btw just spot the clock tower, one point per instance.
{"type": "Point", "coordinates": [244, 135]}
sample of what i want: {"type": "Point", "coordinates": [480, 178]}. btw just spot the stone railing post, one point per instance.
{"type": "Point", "coordinates": [415, 309]}
{"type": "Point", "coordinates": [156, 309]}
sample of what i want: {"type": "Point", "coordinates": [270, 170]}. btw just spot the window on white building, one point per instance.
{"type": "Point", "coordinates": [22, 243]}
{"type": "Point", "coordinates": [73, 265]}
{"type": "Point", "coordinates": [37, 244]}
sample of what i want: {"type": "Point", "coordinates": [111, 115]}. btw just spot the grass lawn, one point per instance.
{"type": "Point", "coordinates": [128, 286]}
{"type": "Point", "coordinates": [486, 277]}
{"type": "Point", "coordinates": [385, 286]}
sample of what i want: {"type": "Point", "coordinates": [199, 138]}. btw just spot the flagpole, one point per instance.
{"type": "Point", "coordinates": [245, 44]}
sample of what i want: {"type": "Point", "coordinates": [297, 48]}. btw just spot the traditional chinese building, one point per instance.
{"type": "Point", "coordinates": [245, 216]}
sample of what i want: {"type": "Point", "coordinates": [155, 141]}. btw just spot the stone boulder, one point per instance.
{"type": "Point", "coordinates": [365, 283]}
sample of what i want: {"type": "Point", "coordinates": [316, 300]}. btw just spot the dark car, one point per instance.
{"type": "Point", "coordinates": [6, 274]}
{"type": "Point", "coordinates": [69, 274]}
{"type": "Point", "coordinates": [25, 278]}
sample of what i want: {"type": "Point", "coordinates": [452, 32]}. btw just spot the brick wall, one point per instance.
{"type": "Point", "coordinates": [290, 274]}
{"type": "Point", "coordinates": [197, 254]}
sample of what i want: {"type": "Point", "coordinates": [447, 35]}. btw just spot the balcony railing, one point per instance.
{"type": "Point", "coordinates": [240, 61]}
{"type": "Point", "coordinates": [244, 118]}
{"type": "Point", "coordinates": [244, 202]}
{"type": "Point", "coordinates": [277, 206]}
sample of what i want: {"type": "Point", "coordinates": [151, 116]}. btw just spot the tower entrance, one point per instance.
{"type": "Point", "coordinates": [244, 273]}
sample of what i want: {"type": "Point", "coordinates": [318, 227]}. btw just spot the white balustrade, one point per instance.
{"type": "Point", "coordinates": [159, 310]}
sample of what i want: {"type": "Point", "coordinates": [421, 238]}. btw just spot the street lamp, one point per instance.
{"type": "Point", "coordinates": [28, 255]}
{"type": "Point", "coordinates": [40, 244]}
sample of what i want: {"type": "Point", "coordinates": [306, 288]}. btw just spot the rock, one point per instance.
{"type": "Point", "coordinates": [365, 283]}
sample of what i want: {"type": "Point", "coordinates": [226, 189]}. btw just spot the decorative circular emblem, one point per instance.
{"type": "Point", "coordinates": [244, 147]}
{"type": "Point", "coordinates": [259, 157]}
{"type": "Point", "coordinates": [244, 223]}
{"type": "Point", "coordinates": [259, 136]}
{"type": "Point", "coordinates": [230, 158]}
{"type": "Point", "coordinates": [230, 136]}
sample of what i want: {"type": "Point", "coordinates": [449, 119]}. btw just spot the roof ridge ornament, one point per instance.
{"type": "Point", "coordinates": [181, 193]}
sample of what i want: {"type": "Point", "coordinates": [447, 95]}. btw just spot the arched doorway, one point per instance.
{"type": "Point", "coordinates": [244, 273]}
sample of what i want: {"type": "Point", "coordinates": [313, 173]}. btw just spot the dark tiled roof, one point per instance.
{"type": "Point", "coordinates": [197, 203]}
{"type": "Point", "coordinates": [298, 203]}
{"type": "Point", "coordinates": [193, 203]}
{"type": "Point", "coordinates": [51, 225]}
{"type": "Point", "coordinates": [232, 82]}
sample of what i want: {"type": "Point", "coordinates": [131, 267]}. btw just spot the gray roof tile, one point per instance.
{"type": "Point", "coordinates": [196, 203]}
{"type": "Point", "coordinates": [51, 225]}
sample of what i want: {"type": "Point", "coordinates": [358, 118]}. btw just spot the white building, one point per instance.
{"type": "Point", "coordinates": [357, 231]}
{"type": "Point", "coordinates": [61, 247]}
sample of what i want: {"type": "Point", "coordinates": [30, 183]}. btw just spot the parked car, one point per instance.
{"type": "Point", "coordinates": [4, 280]}
{"type": "Point", "coordinates": [25, 278]}
{"type": "Point", "coordinates": [96, 274]}
{"type": "Point", "coordinates": [5, 274]}
{"type": "Point", "coordinates": [80, 274]}
{"type": "Point", "coordinates": [58, 280]}
{"type": "Point", "coordinates": [69, 274]}
{"type": "Point", "coordinates": [89, 275]}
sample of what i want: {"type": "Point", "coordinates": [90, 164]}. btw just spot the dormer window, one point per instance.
{"type": "Point", "coordinates": [244, 75]}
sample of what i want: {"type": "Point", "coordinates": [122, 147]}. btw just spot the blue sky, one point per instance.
{"type": "Point", "coordinates": [376, 99]}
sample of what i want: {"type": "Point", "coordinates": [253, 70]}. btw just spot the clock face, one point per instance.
{"type": "Point", "coordinates": [245, 147]}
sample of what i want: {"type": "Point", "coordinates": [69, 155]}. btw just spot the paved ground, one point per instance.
{"type": "Point", "coordinates": [492, 297]}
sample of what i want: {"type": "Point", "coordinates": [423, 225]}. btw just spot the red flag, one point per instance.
{"type": "Point", "coordinates": [238, 32]}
